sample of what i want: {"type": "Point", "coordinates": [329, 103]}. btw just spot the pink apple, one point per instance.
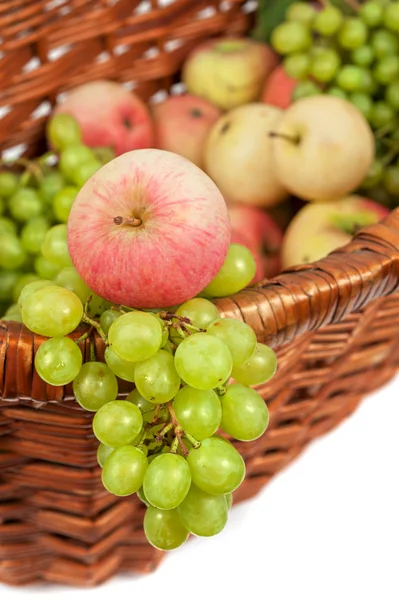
{"type": "Point", "coordinates": [182, 124]}
{"type": "Point", "coordinates": [279, 88]}
{"type": "Point", "coordinates": [319, 228]}
{"type": "Point", "coordinates": [110, 115]}
{"type": "Point", "coordinates": [256, 226]}
{"type": "Point", "coordinates": [148, 230]}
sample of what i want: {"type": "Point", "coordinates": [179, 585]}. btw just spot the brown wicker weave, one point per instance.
{"type": "Point", "coordinates": [340, 316]}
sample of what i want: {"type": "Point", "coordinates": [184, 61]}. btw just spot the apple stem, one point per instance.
{"type": "Point", "coordinates": [133, 221]}
{"type": "Point", "coordinates": [284, 136]}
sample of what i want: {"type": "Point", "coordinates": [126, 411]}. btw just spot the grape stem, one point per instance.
{"type": "Point", "coordinates": [195, 443]}
{"type": "Point", "coordinates": [221, 390]}
{"type": "Point", "coordinates": [165, 429]}
{"type": "Point", "coordinates": [97, 327]}
{"type": "Point", "coordinates": [156, 414]}
{"type": "Point", "coordinates": [93, 356]}
{"type": "Point", "coordinates": [31, 168]}
{"type": "Point", "coordinates": [85, 335]}
{"type": "Point", "coordinates": [353, 4]}
{"type": "Point", "coordinates": [383, 131]}
{"type": "Point", "coordinates": [179, 432]}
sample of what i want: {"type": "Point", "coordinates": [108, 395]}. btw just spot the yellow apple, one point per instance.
{"type": "Point", "coordinates": [323, 148]}
{"type": "Point", "coordinates": [228, 71]}
{"type": "Point", "coordinates": [238, 155]}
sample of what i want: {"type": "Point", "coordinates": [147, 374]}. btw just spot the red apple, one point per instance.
{"type": "Point", "coordinates": [279, 88]}
{"type": "Point", "coordinates": [109, 115]}
{"type": "Point", "coordinates": [148, 230]}
{"type": "Point", "coordinates": [182, 124]}
{"type": "Point", "coordinates": [319, 228]}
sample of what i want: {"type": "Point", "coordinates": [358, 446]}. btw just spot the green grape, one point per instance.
{"type": "Point", "coordinates": [8, 279]}
{"type": "Point", "coordinates": [167, 481]}
{"type": "Point", "coordinates": [108, 317]}
{"type": "Point", "coordinates": [258, 369]}
{"type": "Point", "coordinates": [70, 279]}
{"type": "Point", "coordinates": [124, 369]}
{"type": "Point", "coordinates": [163, 528]}
{"type": "Point", "coordinates": [244, 413]}
{"type": "Point", "coordinates": [374, 175]}
{"type": "Point", "coordinates": [363, 56]}
{"type": "Point", "coordinates": [141, 495]}
{"type": "Point", "coordinates": [381, 114]}
{"type": "Point", "coordinates": [63, 130]}
{"type": "Point", "coordinates": [135, 336]}
{"type": "Point", "coordinates": [304, 89]}
{"type": "Point", "coordinates": [33, 234]}
{"type": "Point", "coordinates": [200, 311]}
{"type": "Point", "coordinates": [351, 78]}
{"type": "Point", "coordinates": [97, 305]}
{"type": "Point", "coordinates": [9, 183]}
{"type": "Point", "coordinates": [55, 246]}
{"type": "Point", "coordinates": [203, 361]}
{"type": "Point", "coordinates": [297, 65]}
{"type": "Point", "coordinates": [199, 412]}
{"type": "Point", "coordinates": [392, 95]}
{"type": "Point", "coordinates": [238, 337]}
{"type": "Point", "coordinates": [337, 92]}
{"type": "Point", "coordinates": [62, 202]}
{"type": "Point", "coordinates": [117, 423]}
{"type": "Point", "coordinates": [103, 452]}
{"type": "Point", "coordinates": [147, 408]}
{"type": "Point", "coordinates": [124, 470]}
{"type": "Point", "coordinates": [84, 171]}
{"type": "Point", "coordinates": [216, 466]}
{"type": "Point", "coordinates": [31, 287]}
{"type": "Point", "coordinates": [58, 361]}
{"type": "Point", "coordinates": [363, 102]}
{"type": "Point", "coordinates": [50, 185]}
{"type": "Point", "coordinates": [384, 43]}
{"type": "Point", "coordinates": [387, 70]}
{"type": "Point", "coordinates": [165, 330]}
{"type": "Point", "coordinates": [391, 16]}
{"type": "Point", "coordinates": [203, 514]}
{"type": "Point", "coordinates": [370, 86]}
{"type": "Point", "coordinates": [23, 281]}
{"type": "Point", "coordinates": [52, 311]}
{"type": "Point", "coordinates": [229, 500]}
{"type": "Point", "coordinates": [25, 204]}
{"type": "Point", "coordinates": [291, 36]}
{"type": "Point", "coordinates": [371, 13]}
{"type": "Point", "coordinates": [391, 180]}
{"type": "Point", "coordinates": [325, 65]}
{"type": "Point", "coordinates": [236, 273]}
{"type": "Point", "coordinates": [7, 226]}
{"type": "Point", "coordinates": [328, 21]}
{"type": "Point", "coordinates": [104, 154]}
{"type": "Point", "coordinates": [156, 378]}
{"type": "Point", "coordinates": [352, 34]}
{"type": "Point", "coordinates": [12, 255]}
{"type": "Point", "coordinates": [300, 11]}
{"type": "Point", "coordinates": [95, 386]}
{"type": "Point", "coordinates": [72, 157]}
{"type": "Point", "coordinates": [45, 268]}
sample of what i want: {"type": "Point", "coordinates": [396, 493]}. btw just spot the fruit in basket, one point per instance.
{"type": "Point", "coordinates": [238, 155]}
{"type": "Point", "coordinates": [109, 115]}
{"type": "Point", "coordinates": [228, 71]}
{"type": "Point", "coordinates": [279, 88]}
{"type": "Point", "coordinates": [150, 229]}
{"type": "Point", "coordinates": [319, 228]}
{"type": "Point", "coordinates": [319, 158]}
{"type": "Point", "coordinates": [238, 238]}
{"type": "Point", "coordinates": [181, 125]}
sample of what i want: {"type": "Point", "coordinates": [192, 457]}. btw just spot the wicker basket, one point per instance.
{"type": "Point", "coordinates": [335, 323]}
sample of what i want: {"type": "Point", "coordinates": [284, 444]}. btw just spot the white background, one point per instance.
{"type": "Point", "coordinates": [326, 528]}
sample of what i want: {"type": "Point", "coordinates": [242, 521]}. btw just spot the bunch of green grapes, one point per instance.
{"type": "Point", "coordinates": [162, 441]}
{"type": "Point", "coordinates": [34, 209]}
{"type": "Point", "coordinates": [354, 57]}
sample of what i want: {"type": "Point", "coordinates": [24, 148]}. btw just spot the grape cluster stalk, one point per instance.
{"type": "Point", "coordinates": [352, 56]}
{"type": "Point", "coordinates": [191, 372]}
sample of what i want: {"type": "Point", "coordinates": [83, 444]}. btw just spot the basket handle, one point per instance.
{"type": "Point", "coordinates": [310, 296]}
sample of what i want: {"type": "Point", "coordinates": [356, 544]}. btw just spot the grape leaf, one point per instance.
{"type": "Point", "coordinates": [270, 14]}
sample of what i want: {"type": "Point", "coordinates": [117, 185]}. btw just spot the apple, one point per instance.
{"type": "Point", "coordinates": [322, 147]}
{"type": "Point", "coordinates": [261, 234]}
{"type": "Point", "coordinates": [279, 88]}
{"type": "Point", "coordinates": [109, 115]}
{"type": "Point", "coordinates": [319, 228]}
{"type": "Point", "coordinates": [228, 71]}
{"type": "Point", "coordinates": [238, 155]}
{"type": "Point", "coordinates": [182, 124]}
{"type": "Point", "coordinates": [148, 230]}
